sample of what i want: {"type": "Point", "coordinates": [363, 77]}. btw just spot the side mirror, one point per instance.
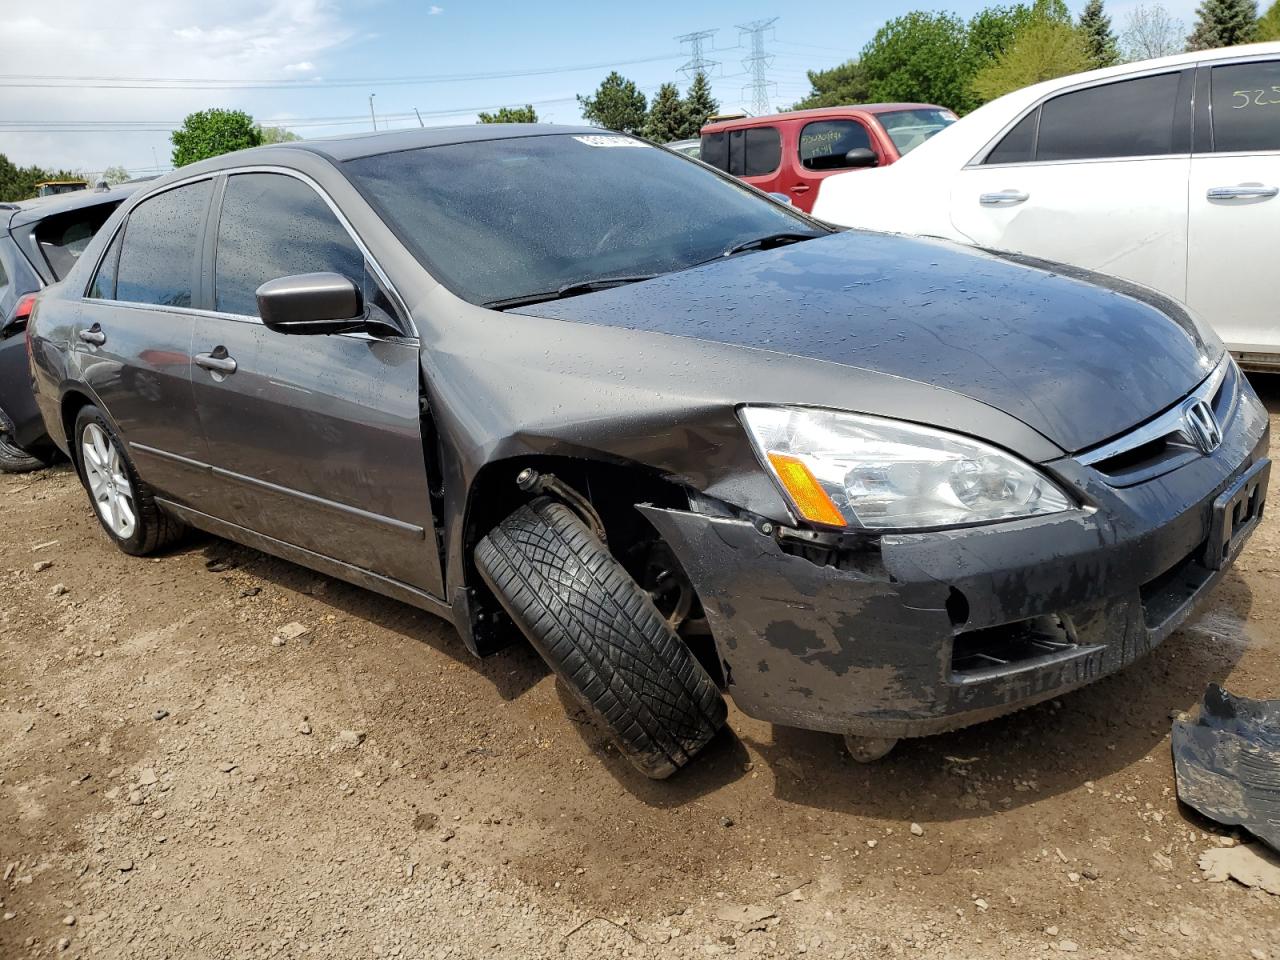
{"type": "Point", "coordinates": [781, 198]}
{"type": "Point", "coordinates": [311, 303]}
{"type": "Point", "coordinates": [861, 157]}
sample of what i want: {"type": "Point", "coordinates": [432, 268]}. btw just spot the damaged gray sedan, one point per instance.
{"type": "Point", "coordinates": [562, 385]}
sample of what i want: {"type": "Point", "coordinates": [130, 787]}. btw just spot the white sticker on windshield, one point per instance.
{"type": "Point", "coordinates": [609, 140]}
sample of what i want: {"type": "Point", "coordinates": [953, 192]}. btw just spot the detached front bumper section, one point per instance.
{"type": "Point", "coordinates": [932, 632]}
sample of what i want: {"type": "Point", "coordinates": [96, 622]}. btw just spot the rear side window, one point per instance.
{"type": "Point", "coordinates": [824, 143]}
{"type": "Point", "coordinates": [276, 226]}
{"type": "Point", "coordinates": [62, 238]}
{"type": "Point", "coordinates": [104, 281]}
{"type": "Point", "coordinates": [715, 150]}
{"type": "Point", "coordinates": [1133, 118]}
{"type": "Point", "coordinates": [749, 152]}
{"type": "Point", "coordinates": [1019, 144]}
{"type": "Point", "coordinates": [159, 261]}
{"type": "Point", "coordinates": [1246, 106]}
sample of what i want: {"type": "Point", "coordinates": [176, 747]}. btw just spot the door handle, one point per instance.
{"type": "Point", "coordinates": [1003, 198]}
{"type": "Point", "coordinates": [801, 188]}
{"type": "Point", "coordinates": [1241, 192]}
{"type": "Point", "coordinates": [94, 335]}
{"type": "Point", "coordinates": [218, 361]}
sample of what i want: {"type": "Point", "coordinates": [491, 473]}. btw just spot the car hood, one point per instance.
{"type": "Point", "coordinates": [1078, 357]}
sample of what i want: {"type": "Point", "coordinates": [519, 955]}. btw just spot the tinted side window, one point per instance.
{"type": "Point", "coordinates": [159, 262]}
{"type": "Point", "coordinates": [1019, 144]}
{"type": "Point", "coordinates": [1246, 106]}
{"type": "Point", "coordinates": [1133, 118]}
{"type": "Point", "coordinates": [824, 143]}
{"type": "Point", "coordinates": [763, 148]}
{"type": "Point", "coordinates": [63, 238]}
{"type": "Point", "coordinates": [715, 150]}
{"type": "Point", "coordinates": [276, 226]}
{"type": "Point", "coordinates": [104, 281]}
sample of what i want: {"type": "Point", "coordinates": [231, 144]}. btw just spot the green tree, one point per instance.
{"type": "Point", "coordinates": [666, 120]}
{"type": "Point", "coordinates": [1223, 23]}
{"type": "Point", "coordinates": [991, 31]}
{"type": "Point", "coordinates": [276, 135]}
{"type": "Point", "coordinates": [525, 114]}
{"type": "Point", "coordinates": [616, 105]}
{"type": "Point", "coordinates": [1269, 24]}
{"type": "Point", "coordinates": [19, 183]}
{"type": "Point", "coordinates": [845, 84]}
{"type": "Point", "coordinates": [921, 57]}
{"type": "Point", "coordinates": [1099, 41]}
{"type": "Point", "coordinates": [1046, 48]}
{"type": "Point", "coordinates": [115, 175]}
{"type": "Point", "coordinates": [211, 133]}
{"type": "Point", "coordinates": [699, 106]}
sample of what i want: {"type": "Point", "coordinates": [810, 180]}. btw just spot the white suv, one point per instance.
{"type": "Point", "coordinates": [1165, 172]}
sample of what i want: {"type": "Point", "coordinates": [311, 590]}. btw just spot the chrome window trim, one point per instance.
{"type": "Point", "coordinates": [1171, 421]}
{"type": "Point", "coordinates": [230, 172]}
{"type": "Point", "coordinates": [978, 160]}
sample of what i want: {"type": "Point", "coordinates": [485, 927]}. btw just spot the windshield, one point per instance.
{"type": "Point", "coordinates": [910, 128]}
{"type": "Point", "coordinates": [500, 219]}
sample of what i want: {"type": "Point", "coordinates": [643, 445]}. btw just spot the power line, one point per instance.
{"type": "Point", "coordinates": [757, 63]}
{"type": "Point", "coordinates": [55, 81]}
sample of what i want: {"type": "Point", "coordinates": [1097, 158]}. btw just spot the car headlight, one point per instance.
{"type": "Point", "coordinates": [850, 470]}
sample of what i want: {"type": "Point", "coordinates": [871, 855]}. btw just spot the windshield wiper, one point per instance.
{"type": "Point", "coordinates": [568, 290]}
{"type": "Point", "coordinates": [771, 240]}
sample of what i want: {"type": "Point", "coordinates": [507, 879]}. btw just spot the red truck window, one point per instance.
{"type": "Point", "coordinates": [824, 143]}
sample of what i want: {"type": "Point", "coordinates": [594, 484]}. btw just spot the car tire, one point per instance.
{"type": "Point", "coordinates": [13, 458]}
{"type": "Point", "coordinates": [602, 635]}
{"type": "Point", "coordinates": [150, 528]}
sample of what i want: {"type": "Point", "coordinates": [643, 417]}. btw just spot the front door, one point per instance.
{"type": "Point", "coordinates": [315, 441]}
{"type": "Point", "coordinates": [1235, 208]}
{"type": "Point", "coordinates": [1096, 178]}
{"type": "Point", "coordinates": [821, 151]}
{"type": "Point", "coordinates": [133, 337]}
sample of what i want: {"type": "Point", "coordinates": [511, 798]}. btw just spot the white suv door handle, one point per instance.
{"type": "Point", "coordinates": [1241, 192]}
{"type": "Point", "coordinates": [1003, 198]}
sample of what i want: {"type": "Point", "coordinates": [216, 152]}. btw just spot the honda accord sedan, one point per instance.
{"type": "Point", "coordinates": [563, 385]}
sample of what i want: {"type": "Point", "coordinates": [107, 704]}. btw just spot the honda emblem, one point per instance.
{"type": "Point", "coordinates": [1202, 427]}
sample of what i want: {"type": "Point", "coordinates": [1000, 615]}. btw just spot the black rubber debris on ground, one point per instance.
{"type": "Point", "coordinates": [1227, 762]}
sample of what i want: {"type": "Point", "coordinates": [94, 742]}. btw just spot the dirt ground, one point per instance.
{"type": "Point", "coordinates": [177, 781]}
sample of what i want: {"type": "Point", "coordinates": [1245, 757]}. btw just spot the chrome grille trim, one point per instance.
{"type": "Point", "coordinates": [1171, 422]}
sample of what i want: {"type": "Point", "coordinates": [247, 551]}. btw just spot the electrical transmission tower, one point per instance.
{"type": "Point", "coordinates": [757, 63]}
{"type": "Point", "coordinates": [697, 63]}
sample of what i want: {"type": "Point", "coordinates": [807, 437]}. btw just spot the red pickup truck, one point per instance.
{"type": "Point", "coordinates": [791, 153]}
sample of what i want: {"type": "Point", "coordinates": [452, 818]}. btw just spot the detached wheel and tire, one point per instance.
{"type": "Point", "coordinates": [124, 504]}
{"type": "Point", "coordinates": [13, 458]}
{"type": "Point", "coordinates": [602, 635]}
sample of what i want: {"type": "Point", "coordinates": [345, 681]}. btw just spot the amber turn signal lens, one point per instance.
{"type": "Point", "coordinates": [806, 493]}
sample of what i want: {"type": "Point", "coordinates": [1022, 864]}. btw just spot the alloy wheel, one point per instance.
{"type": "Point", "coordinates": [108, 482]}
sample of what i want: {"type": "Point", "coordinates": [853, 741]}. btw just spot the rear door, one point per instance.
{"type": "Point", "coordinates": [753, 154]}
{"type": "Point", "coordinates": [1235, 204]}
{"type": "Point", "coordinates": [820, 152]}
{"type": "Point", "coordinates": [315, 441]}
{"type": "Point", "coordinates": [1095, 177]}
{"type": "Point", "coordinates": [132, 337]}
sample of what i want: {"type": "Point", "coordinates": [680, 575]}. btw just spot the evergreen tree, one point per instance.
{"type": "Point", "coordinates": [666, 115]}
{"type": "Point", "coordinates": [1269, 24]}
{"type": "Point", "coordinates": [617, 105]}
{"type": "Point", "coordinates": [1223, 23]}
{"type": "Point", "coordinates": [699, 106]}
{"type": "Point", "coordinates": [1099, 41]}
{"type": "Point", "coordinates": [837, 87]}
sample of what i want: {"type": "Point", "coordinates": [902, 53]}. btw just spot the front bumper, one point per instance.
{"type": "Point", "coordinates": [934, 631]}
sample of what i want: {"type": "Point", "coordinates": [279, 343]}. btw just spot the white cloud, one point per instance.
{"type": "Point", "coordinates": [230, 40]}
{"type": "Point", "coordinates": [435, 11]}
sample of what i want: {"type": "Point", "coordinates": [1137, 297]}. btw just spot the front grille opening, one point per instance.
{"type": "Point", "coordinates": [994, 649]}
{"type": "Point", "coordinates": [1137, 458]}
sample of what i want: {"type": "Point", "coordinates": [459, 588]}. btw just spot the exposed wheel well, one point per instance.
{"type": "Point", "coordinates": [72, 403]}
{"type": "Point", "coordinates": [613, 489]}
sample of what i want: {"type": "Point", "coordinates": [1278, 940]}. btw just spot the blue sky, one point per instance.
{"type": "Point", "coordinates": [311, 45]}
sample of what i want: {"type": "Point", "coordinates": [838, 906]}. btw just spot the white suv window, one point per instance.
{"type": "Point", "coordinates": [1246, 106]}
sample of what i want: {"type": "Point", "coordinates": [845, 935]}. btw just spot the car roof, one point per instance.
{"type": "Point", "coordinates": [816, 113]}
{"type": "Point", "coordinates": [38, 208]}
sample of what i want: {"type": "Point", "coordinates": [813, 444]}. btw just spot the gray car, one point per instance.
{"type": "Point", "coordinates": [563, 385]}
